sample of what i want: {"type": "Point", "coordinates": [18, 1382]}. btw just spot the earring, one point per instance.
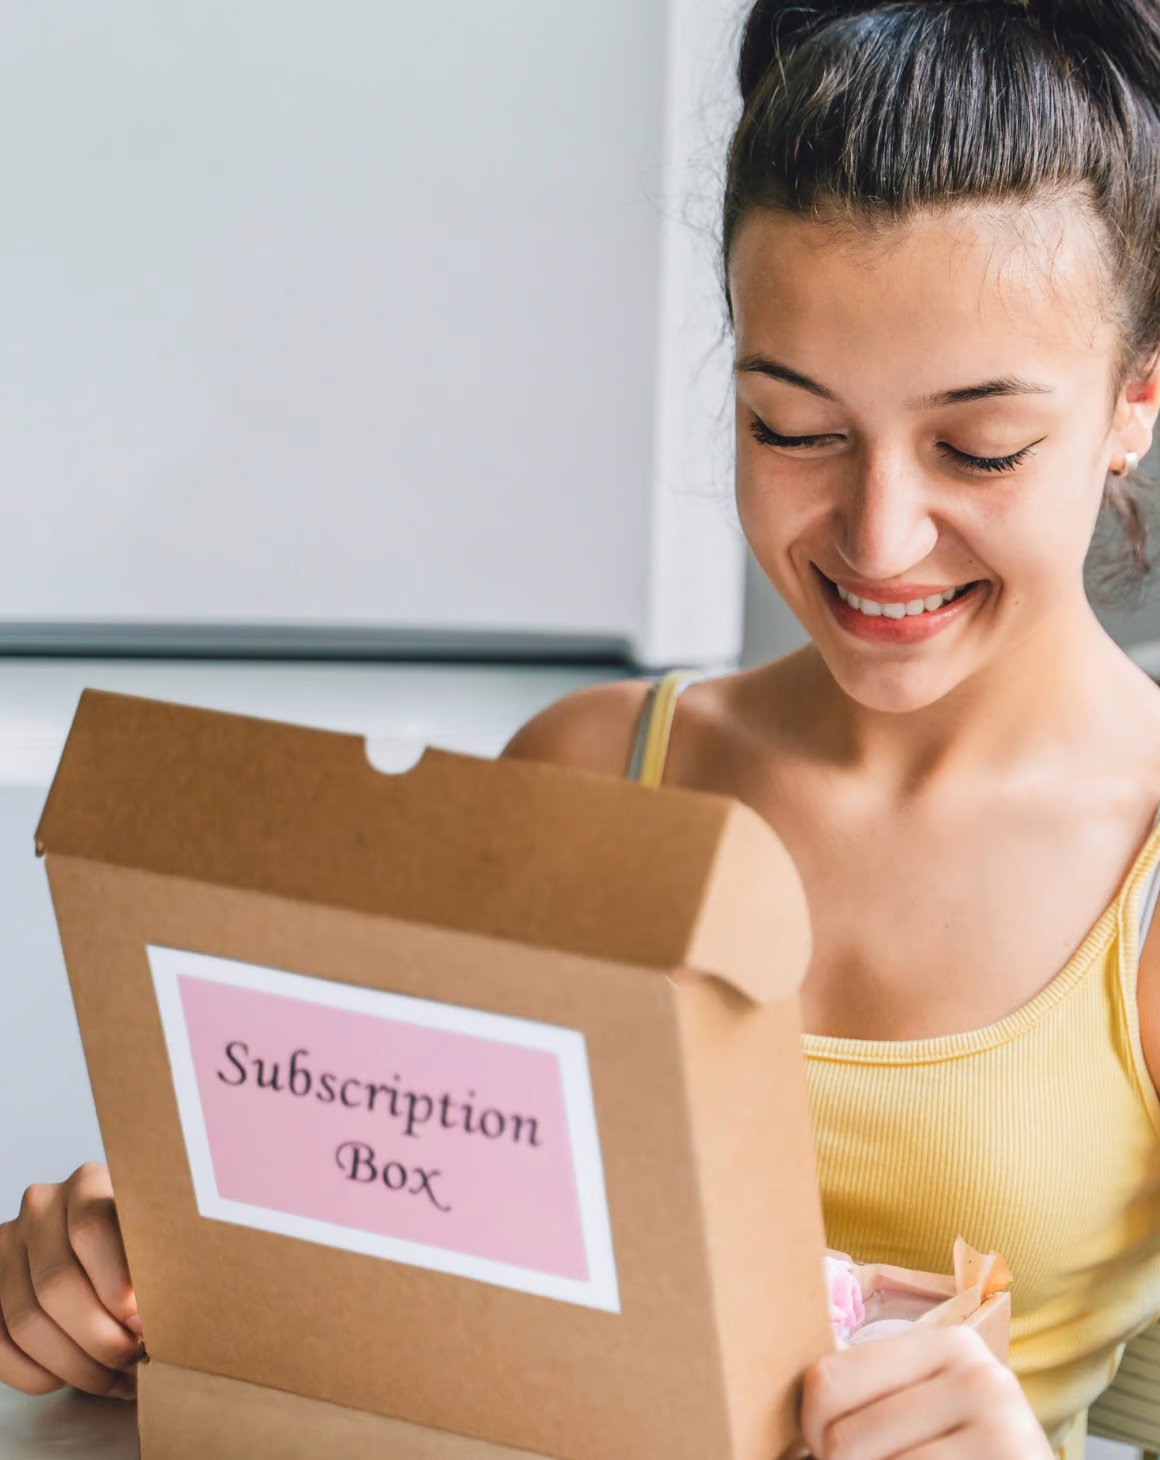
{"type": "Point", "coordinates": [1131, 462]}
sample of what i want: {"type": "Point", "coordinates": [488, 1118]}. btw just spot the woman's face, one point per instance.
{"type": "Point", "coordinates": [953, 398]}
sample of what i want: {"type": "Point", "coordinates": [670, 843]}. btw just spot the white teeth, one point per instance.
{"type": "Point", "coordinates": [873, 609]}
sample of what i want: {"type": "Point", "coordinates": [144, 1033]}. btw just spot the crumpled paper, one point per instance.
{"type": "Point", "coordinates": [977, 1276]}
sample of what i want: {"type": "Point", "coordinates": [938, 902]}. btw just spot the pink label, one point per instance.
{"type": "Point", "coordinates": [381, 1119]}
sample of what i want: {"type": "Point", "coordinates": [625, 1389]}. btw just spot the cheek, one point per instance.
{"type": "Point", "coordinates": [1039, 534]}
{"type": "Point", "coordinates": [774, 508]}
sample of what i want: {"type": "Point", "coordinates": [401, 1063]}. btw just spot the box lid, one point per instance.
{"type": "Point", "coordinates": [690, 882]}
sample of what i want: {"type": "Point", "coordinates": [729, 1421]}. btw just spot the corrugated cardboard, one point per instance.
{"type": "Point", "coordinates": [668, 927]}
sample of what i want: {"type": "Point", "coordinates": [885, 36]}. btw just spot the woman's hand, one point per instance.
{"type": "Point", "coordinates": [929, 1394]}
{"type": "Point", "coordinates": [67, 1310]}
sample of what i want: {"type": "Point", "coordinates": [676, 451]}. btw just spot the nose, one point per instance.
{"type": "Point", "coordinates": [884, 523]}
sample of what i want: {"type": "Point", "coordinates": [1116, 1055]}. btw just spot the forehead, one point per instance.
{"type": "Point", "coordinates": [977, 275]}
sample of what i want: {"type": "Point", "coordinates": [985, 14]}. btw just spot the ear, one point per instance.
{"type": "Point", "coordinates": [1136, 412]}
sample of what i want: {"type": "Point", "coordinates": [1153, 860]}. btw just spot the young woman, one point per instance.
{"type": "Point", "coordinates": [941, 262]}
{"type": "Point", "coordinates": [941, 250]}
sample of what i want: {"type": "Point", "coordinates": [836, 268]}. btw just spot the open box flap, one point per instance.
{"type": "Point", "coordinates": [686, 881]}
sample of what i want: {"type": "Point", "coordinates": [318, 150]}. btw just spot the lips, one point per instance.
{"type": "Point", "coordinates": [886, 616]}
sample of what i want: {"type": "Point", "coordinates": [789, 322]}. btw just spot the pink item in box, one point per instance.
{"type": "Point", "coordinates": [847, 1310]}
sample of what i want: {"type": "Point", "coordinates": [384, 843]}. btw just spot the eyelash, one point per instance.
{"type": "Point", "coordinates": [766, 437]}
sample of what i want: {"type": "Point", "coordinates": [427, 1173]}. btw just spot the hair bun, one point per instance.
{"type": "Point", "coordinates": [1127, 31]}
{"type": "Point", "coordinates": [771, 26]}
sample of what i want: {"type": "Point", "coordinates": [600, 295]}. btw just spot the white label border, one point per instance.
{"type": "Point", "coordinates": [600, 1290]}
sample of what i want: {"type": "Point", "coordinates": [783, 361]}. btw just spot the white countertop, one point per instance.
{"type": "Point", "coordinates": [66, 1422]}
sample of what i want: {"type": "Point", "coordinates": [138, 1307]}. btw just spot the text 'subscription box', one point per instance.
{"type": "Point", "coordinates": [428, 1133]}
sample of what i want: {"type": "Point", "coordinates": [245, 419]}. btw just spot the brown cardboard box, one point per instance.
{"type": "Point", "coordinates": [625, 1262]}
{"type": "Point", "coordinates": [668, 929]}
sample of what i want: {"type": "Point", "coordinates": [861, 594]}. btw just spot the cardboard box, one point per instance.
{"type": "Point", "coordinates": [452, 1115]}
{"type": "Point", "coordinates": [614, 967]}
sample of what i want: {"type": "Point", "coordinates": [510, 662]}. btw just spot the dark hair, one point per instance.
{"type": "Point", "coordinates": [857, 112]}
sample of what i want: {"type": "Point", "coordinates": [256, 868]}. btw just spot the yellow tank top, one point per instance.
{"type": "Point", "coordinates": [1037, 1136]}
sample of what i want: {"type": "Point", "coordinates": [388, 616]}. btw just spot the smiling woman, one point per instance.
{"type": "Point", "coordinates": [941, 263]}
{"type": "Point", "coordinates": [940, 259]}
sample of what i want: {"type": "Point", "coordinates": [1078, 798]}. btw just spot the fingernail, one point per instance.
{"type": "Point", "coordinates": [134, 1323]}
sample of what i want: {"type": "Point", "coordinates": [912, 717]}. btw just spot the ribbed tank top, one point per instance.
{"type": "Point", "coordinates": [1037, 1136]}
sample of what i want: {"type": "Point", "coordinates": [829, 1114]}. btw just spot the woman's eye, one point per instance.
{"type": "Point", "coordinates": [987, 463]}
{"type": "Point", "coordinates": [766, 437]}
{"type": "Point", "coordinates": [770, 438]}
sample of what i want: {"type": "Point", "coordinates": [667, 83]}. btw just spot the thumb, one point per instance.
{"type": "Point", "coordinates": [132, 1319]}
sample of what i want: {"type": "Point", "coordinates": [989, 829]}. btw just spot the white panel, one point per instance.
{"type": "Point", "coordinates": [696, 607]}
{"type": "Point", "coordinates": [337, 314]}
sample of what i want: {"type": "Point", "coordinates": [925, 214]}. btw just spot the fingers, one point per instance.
{"type": "Point", "coordinates": [40, 1338]}
{"type": "Point", "coordinates": [62, 1287]}
{"type": "Point", "coordinates": [852, 1380]}
{"type": "Point", "coordinates": [16, 1369]}
{"type": "Point", "coordinates": [94, 1234]}
{"type": "Point", "coordinates": [898, 1425]}
{"type": "Point", "coordinates": [55, 1329]}
{"type": "Point", "coordinates": [997, 1436]}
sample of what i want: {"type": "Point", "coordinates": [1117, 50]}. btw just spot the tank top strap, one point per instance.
{"type": "Point", "coordinates": [647, 764]}
{"type": "Point", "coordinates": [1134, 910]}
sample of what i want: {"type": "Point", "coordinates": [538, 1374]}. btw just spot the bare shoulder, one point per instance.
{"type": "Point", "coordinates": [715, 728]}
{"type": "Point", "coordinates": [590, 729]}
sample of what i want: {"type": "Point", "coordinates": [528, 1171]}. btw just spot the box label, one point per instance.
{"type": "Point", "coordinates": [442, 1136]}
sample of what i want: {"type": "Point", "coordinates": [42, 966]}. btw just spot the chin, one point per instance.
{"type": "Point", "coordinates": [893, 689]}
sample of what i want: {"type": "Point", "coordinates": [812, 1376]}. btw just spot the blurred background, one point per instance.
{"type": "Point", "coordinates": [363, 365]}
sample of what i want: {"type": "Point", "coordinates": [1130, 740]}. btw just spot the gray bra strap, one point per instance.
{"type": "Point", "coordinates": [636, 760]}
{"type": "Point", "coordinates": [634, 764]}
{"type": "Point", "coordinates": [1149, 894]}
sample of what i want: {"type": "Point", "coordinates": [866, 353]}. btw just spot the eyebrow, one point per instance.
{"type": "Point", "coordinates": [1005, 385]}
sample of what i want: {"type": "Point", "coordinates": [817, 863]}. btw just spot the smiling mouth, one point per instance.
{"type": "Point", "coordinates": [905, 620]}
{"type": "Point", "coordinates": [909, 608]}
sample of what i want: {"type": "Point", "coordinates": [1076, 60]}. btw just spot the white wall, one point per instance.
{"type": "Point", "coordinates": [365, 314]}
